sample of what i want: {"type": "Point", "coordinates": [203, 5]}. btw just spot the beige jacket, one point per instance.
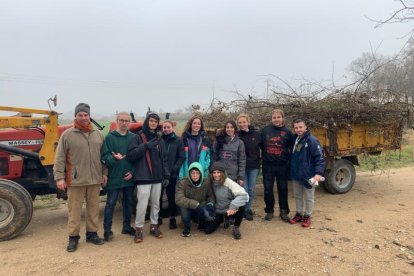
{"type": "Point", "coordinates": [78, 158]}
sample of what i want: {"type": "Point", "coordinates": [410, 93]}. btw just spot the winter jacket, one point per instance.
{"type": "Point", "coordinates": [252, 140]}
{"type": "Point", "coordinates": [203, 152]}
{"type": "Point", "coordinates": [276, 143]}
{"type": "Point", "coordinates": [117, 143]}
{"type": "Point", "coordinates": [150, 164]}
{"type": "Point", "coordinates": [174, 149]}
{"type": "Point", "coordinates": [229, 196]}
{"type": "Point", "coordinates": [78, 158]}
{"type": "Point", "coordinates": [307, 159]}
{"type": "Point", "coordinates": [231, 152]}
{"type": "Point", "coordinates": [188, 195]}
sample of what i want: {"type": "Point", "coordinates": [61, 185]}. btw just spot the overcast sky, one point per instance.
{"type": "Point", "coordinates": [168, 54]}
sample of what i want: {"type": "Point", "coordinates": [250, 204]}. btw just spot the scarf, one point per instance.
{"type": "Point", "coordinates": [82, 128]}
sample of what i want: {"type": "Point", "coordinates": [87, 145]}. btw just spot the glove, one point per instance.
{"type": "Point", "coordinates": [152, 144]}
{"type": "Point", "coordinates": [209, 212]}
{"type": "Point", "coordinates": [165, 183]}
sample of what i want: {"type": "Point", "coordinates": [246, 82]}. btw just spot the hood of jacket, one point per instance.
{"type": "Point", "coordinates": [200, 169]}
{"type": "Point", "coordinates": [146, 129]}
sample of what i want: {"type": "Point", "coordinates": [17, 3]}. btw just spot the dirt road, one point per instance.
{"type": "Point", "coordinates": [368, 231]}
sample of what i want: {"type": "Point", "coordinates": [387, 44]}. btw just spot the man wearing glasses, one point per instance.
{"type": "Point", "coordinates": [120, 170]}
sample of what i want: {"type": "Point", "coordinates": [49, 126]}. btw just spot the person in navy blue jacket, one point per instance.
{"type": "Point", "coordinates": [307, 167]}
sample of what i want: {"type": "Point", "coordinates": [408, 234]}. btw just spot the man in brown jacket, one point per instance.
{"type": "Point", "coordinates": [78, 168]}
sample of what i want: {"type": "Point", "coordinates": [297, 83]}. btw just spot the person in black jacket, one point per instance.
{"type": "Point", "coordinates": [276, 142]}
{"type": "Point", "coordinates": [251, 139]}
{"type": "Point", "coordinates": [150, 162]}
{"type": "Point", "coordinates": [175, 153]}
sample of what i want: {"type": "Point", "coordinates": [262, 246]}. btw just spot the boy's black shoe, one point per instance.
{"type": "Point", "coordinates": [284, 215]}
{"type": "Point", "coordinates": [186, 232]}
{"type": "Point", "coordinates": [92, 237]}
{"type": "Point", "coordinates": [173, 223]}
{"type": "Point", "coordinates": [130, 232]}
{"type": "Point", "coordinates": [72, 244]}
{"type": "Point", "coordinates": [269, 216]}
{"type": "Point", "coordinates": [108, 236]}
{"type": "Point", "coordinates": [248, 215]}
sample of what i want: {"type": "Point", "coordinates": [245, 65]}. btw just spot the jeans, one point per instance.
{"type": "Point", "coordinates": [250, 178]}
{"type": "Point", "coordinates": [269, 174]}
{"type": "Point", "coordinates": [126, 207]}
{"type": "Point", "coordinates": [170, 190]}
{"type": "Point", "coordinates": [188, 214]}
{"type": "Point", "coordinates": [303, 194]}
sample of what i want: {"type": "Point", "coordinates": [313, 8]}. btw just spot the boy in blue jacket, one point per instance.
{"type": "Point", "coordinates": [307, 167]}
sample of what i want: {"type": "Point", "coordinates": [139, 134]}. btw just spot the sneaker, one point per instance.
{"type": "Point", "coordinates": [269, 216]}
{"type": "Point", "coordinates": [173, 223]}
{"type": "Point", "coordinates": [297, 218]}
{"type": "Point", "coordinates": [139, 235]}
{"type": "Point", "coordinates": [186, 232]}
{"type": "Point", "coordinates": [130, 232]}
{"type": "Point", "coordinates": [155, 231]}
{"type": "Point", "coordinates": [72, 244]}
{"type": "Point", "coordinates": [92, 237]}
{"type": "Point", "coordinates": [248, 215]}
{"type": "Point", "coordinates": [306, 222]}
{"type": "Point", "coordinates": [236, 233]}
{"type": "Point", "coordinates": [284, 215]}
{"type": "Point", "coordinates": [108, 236]}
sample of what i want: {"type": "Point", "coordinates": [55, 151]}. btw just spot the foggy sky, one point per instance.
{"type": "Point", "coordinates": [128, 55]}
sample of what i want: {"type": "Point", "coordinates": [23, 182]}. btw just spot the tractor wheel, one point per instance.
{"type": "Point", "coordinates": [341, 178]}
{"type": "Point", "coordinates": [16, 209]}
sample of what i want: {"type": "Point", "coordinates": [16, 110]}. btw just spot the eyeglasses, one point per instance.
{"type": "Point", "coordinates": [123, 121]}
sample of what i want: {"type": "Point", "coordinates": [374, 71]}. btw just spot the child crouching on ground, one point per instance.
{"type": "Point", "coordinates": [230, 199]}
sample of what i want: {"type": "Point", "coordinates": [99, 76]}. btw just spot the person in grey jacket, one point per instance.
{"type": "Point", "coordinates": [230, 150]}
{"type": "Point", "coordinates": [230, 199]}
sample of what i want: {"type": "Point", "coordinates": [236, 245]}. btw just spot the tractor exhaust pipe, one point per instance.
{"type": "Point", "coordinates": [18, 151]}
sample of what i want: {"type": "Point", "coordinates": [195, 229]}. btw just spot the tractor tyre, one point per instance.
{"type": "Point", "coordinates": [16, 209]}
{"type": "Point", "coordinates": [341, 178]}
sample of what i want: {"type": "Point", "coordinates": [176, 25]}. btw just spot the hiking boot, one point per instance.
{"type": "Point", "coordinates": [160, 221]}
{"type": "Point", "coordinates": [130, 232]}
{"type": "Point", "coordinates": [72, 244]}
{"type": "Point", "coordinates": [108, 236]}
{"type": "Point", "coordinates": [297, 218]}
{"type": "Point", "coordinates": [186, 232]}
{"type": "Point", "coordinates": [284, 215]}
{"type": "Point", "coordinates": [306, 221]}
{"type": "Point", "coordinates": [248, 215]}
{"type": "Point", "coordinates": [236, 233]}
{"type": "Point", "coordinates": [155, 231]}
{"type": "Point", "coordinates": [269, 216]}
{"type": "Point", "coordinates": [92, 237]}
{"type": "Point", "coordinates": [173, 223]}
{"type": "Point", "coordinates": [139, 235]}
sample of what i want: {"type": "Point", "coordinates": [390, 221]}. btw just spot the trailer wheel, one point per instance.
{"type": "Point", "coordinates": [16, 209]}
{"type": "Point", "coordinates": [341, 178]}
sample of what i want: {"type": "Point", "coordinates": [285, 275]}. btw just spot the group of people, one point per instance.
{"type": "Point", "coordinates": [207, 183]}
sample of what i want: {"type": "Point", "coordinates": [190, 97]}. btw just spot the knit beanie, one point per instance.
{"type": "Point", "coordinates": [218, 166]}
{"type": "Point", "coordinates": [83, 107]}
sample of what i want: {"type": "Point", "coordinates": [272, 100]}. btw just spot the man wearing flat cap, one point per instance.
{"type": "Point", "coordinates": [78, 168]}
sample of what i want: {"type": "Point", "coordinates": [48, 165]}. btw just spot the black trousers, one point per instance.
{"type": "Point", "coordinates": [280, 173]}
{"type": "Point", "coordinates": [170, 190]}
{"type": "Point", "coordinates": [213, 226]}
